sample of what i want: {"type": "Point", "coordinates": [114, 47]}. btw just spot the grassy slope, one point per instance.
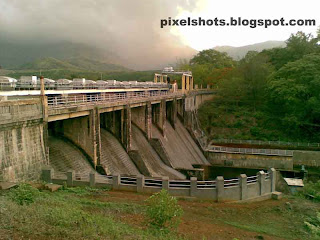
{"type": "Point", "coordinates": [91, 214]}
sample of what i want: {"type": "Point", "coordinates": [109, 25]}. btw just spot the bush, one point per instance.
{"type": "Point", "coordinates": [313, 225]}
{"type": "Point", "coordinates": [24, 194]}
{"type": "Point", "coordinates": [163, 210]}
{"type": "Point", "coordinates": [312, 190]}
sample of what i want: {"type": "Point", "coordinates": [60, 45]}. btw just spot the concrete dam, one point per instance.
{"type": "Point", "coordinates": [182, 153]}
{"type": "Point", "coordinates": [127, 132]}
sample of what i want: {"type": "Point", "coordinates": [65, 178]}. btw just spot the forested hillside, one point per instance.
{"type": "Point", "coordinates": [271, 95]}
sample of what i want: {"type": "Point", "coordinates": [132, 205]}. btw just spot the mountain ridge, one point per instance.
{"type": "Point", "coordinates": [239, 52]}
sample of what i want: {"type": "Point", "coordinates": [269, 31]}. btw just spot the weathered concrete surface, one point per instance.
{"type": "Point", "coordinates": [183, 152]}
{"type": "Point", "coordinates": [80, 131]}
{"type": "Point", "coordinates": [249, 160]}
{"type": "Point", "coordinates": [150, 159]}
{"type": "Point", "coordinates": [114, 157]}
{"type": "Point", "coordinates": [307, 158]}
{"type": "Point", "coordinates": [22, 150]}
{"type": "Point", "coordinates": [64, 156]}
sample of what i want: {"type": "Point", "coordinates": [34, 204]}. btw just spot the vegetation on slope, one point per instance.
{"type": "Point", "coordinates": [272, 95]}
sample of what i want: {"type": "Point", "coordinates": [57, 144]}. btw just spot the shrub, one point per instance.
{"type": "Point", "coordinates": [24, 194]}
{"type": "Point", "coordinates": [313, 225]}
{"type": "Point", "coordinates": [312, 190]}
{"type": "Point", "coordinates": [163, 210]}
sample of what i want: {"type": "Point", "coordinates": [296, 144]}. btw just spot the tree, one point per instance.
{"type": "Point", "coordinates": [294, 93]}
{"type": "Point", "coordinates": [213, 58]}
{"type": "Point", "coordinates": [298, 45]}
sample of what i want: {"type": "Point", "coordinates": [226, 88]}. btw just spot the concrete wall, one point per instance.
{"type": "Point", "coordinates": [138, 117]}
{"type": "Point", "coordinates": [307, 158]}
{"type": "Point", "coordinates": [201, 98]}
{"type": "Point", "coordinates": [79, 131]}
{"type": "Point", "coordinates": [22, 149]}
{"type": "Point", "coordinates": [249, 160]}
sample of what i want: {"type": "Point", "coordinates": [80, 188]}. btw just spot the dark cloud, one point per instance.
{"type": "Point", "coordinates": [129, 28]}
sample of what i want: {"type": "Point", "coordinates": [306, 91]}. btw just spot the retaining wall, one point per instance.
{"type": "Point", "coordinates": [241, 188]}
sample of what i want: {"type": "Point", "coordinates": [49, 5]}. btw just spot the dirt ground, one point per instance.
{"type": "Point", "coordinates": [209, 220]}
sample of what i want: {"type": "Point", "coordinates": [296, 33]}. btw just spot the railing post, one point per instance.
{"type": "Point", "coordinates": [262, 181]}
{"type": "Point", "coordinates": [243, 186]}
{"type": "Point", "coordinates": [220, 188]}
{"type": "Point", "coordinates": [116, 181]}
{"type": "Point", "coordinates": [140, 183]}
{"type": "Point", "coordinates": [193, 186]}
{"type": "Point", "coordinates": [70, 178]}
{"type": "Point", "coordinates": [273, 179]}
{"type": "Point", "coordinates": [165, 183]}
{"type": "Point", "coordinates": [47, 174]}
{"type": "Point", "coordinates": [92, 178]}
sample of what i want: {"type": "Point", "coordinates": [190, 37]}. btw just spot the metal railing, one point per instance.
{"type": "Point", "coordinates": [179, 184]}
{"type": "Point", "coordinates": [259, 142]}
{"type": "Point", "coordinates": [271, 152]}
{"type": "Point", "coordinates": [128, 181]}
{"type": "Point", "coordinates": [156, 183]}
{"type": "Point", "coordinates": [252, 179]}
{"type": "Point", "coordinates": [206, 184]}
{"type": "Point", "coordinates": [102, 98]}
{"type": "Point", "coordinates": [231, 182]}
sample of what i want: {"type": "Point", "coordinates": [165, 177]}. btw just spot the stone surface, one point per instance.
{"type": "Point", "coordinates": [276, 195]}
{"type": "Point", "coordinates": [52, 187]}
{"type": "Point", "coordinates": [7, 185]}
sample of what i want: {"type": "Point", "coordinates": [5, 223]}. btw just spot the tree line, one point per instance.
{"type": "Point", "coordinates": [281, 85]}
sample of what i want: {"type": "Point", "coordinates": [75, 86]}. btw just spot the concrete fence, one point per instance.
{"type": "Point", "coordinates": [241, 188]}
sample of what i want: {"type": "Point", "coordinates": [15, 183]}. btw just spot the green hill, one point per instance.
{"type": "Point", "coordinates": [74, 64]}
{"type": "Point", "coordinates": [239, 52]}
{"type": "Point", "coordinates": [47, 64]}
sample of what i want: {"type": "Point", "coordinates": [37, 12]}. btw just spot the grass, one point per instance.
{"type": "Point", "coordinates": [85, 213]}
{"type": "Point", "coordinates": [66, 214]}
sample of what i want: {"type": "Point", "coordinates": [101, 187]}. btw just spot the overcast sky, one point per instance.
{"type": "Point", "coordinates": [132, 27]}
{"type": "Point", "coordinates": [206, 37]}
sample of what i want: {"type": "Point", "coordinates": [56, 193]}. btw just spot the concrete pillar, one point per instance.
{"type": "Point", "coordinates": [174, 112]}
{"type": "Point", "coordinates": [47, 174]}
{"type": "Point", "coordinates": [191, 83]}
{"type": "Point", "coordinates": [44, 103]}
{"type": "Point", "coordinates": [220, 188]}
{"type": "Point", "coordinates": [165, 183]}
{"type": "Point", "coordinates": [262, 182]}
{"type": "Point", "coordinates": [70, 178]}
{"type": "Point", "coordinates": [162, 116]}
{"type": "Point", "coordinates": [187, 83]}
{"type": "Point", "coordinates": [193, 186]}
{"type": "Point", "coordinates": [122, 135]}
{"type": "Point", "coordinates": [92, 179]}
{"type": "Point", "coordinates": [113, 123]}
{"type": "Point", "coordinates": [273, 179]}
{"type": "Point", "coordinates": [97, 136]}
{"type": "Point", "coordinates": [183, 83]}
{"type": "Point", "coordinates": [243, 187]}
{"type": "Point", "coordinates": [148, 120]}
{"type": "Point", "coordinates": [126, 135]}
{"type": "Point", "coordinates": [140, 183]}
{"type": "Point", "coordinates": [116, 181]}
